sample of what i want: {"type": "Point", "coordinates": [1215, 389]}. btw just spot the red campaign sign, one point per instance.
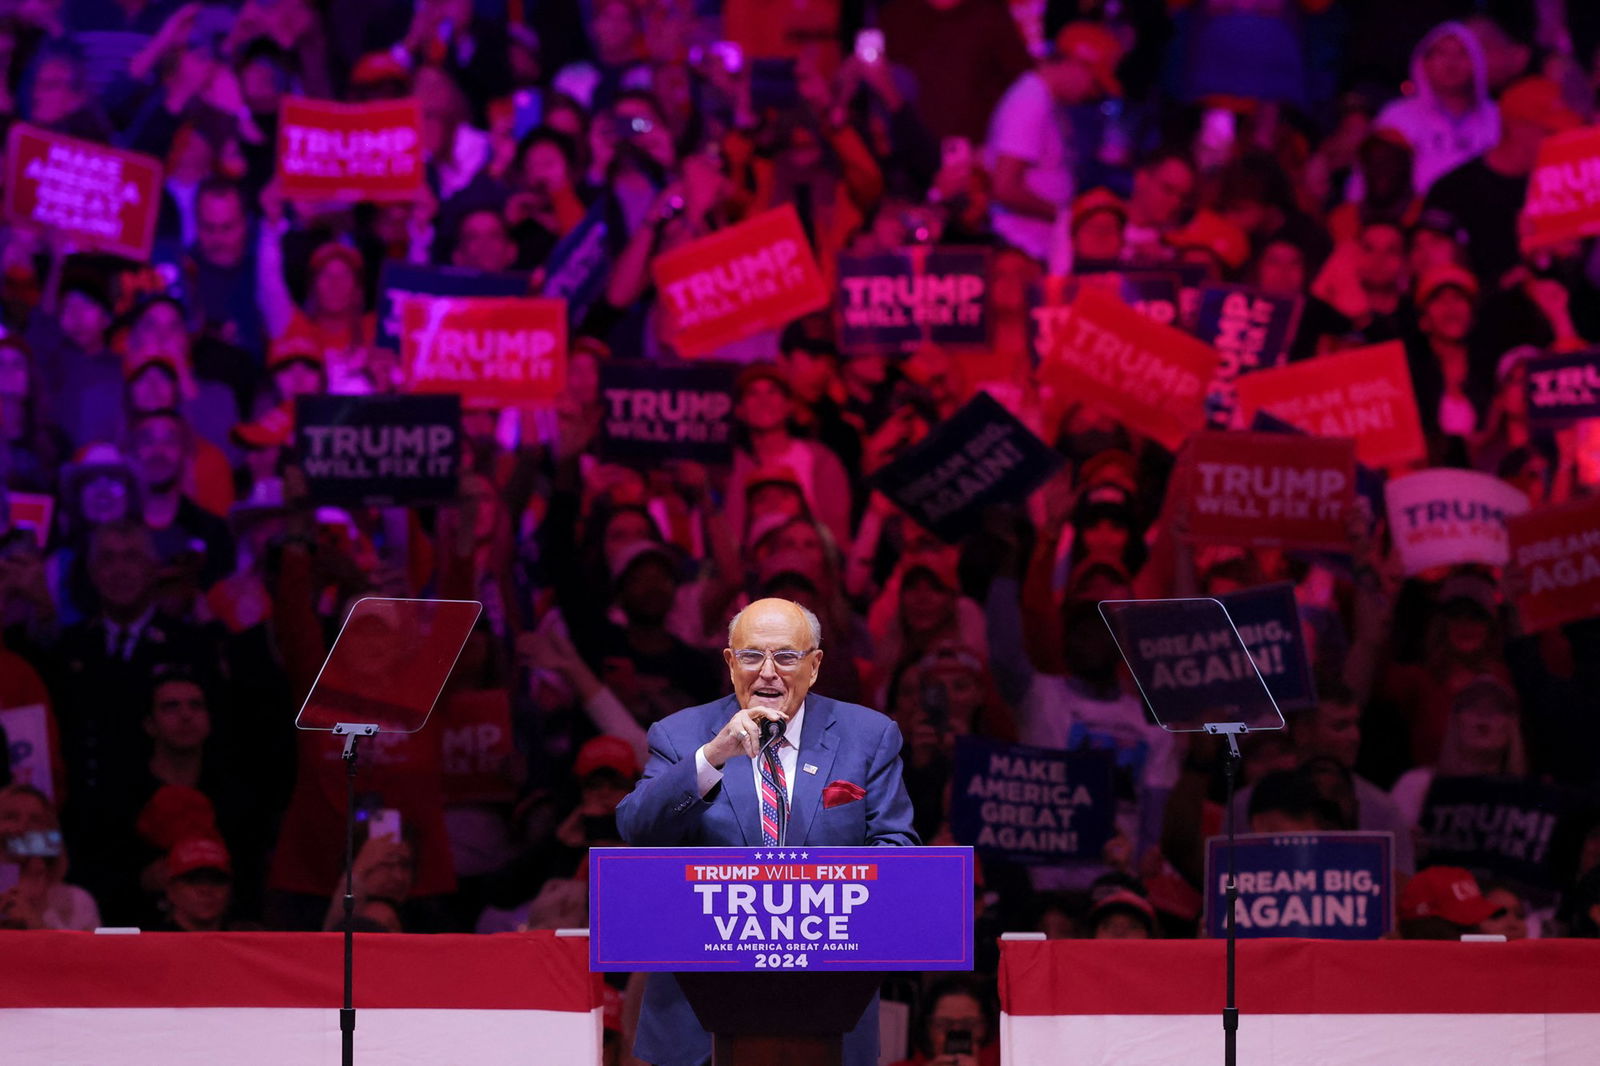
{"type": "Point", "coordinates": [495, 351]}
{"type": "Point", "coordinates": [738, 281]}
{"type": "Point", "coordinates": [1152, 377]}
{"type": "Point", "coordinates": [1365, 393]}
{"type": "Point", "coordinates": [97, 196]}
{"type": "Point", "coordinates": [1271, 490]}
{"type": "Point", "coordinates": [1557, 554]}
{"type": "Point", "coordinates": [1563, 200]}
{"type": "Point", "coordinates": [477, 747]}
{"type": "Point", "coordinates": [33, 511]}
{"type": "Point", "coordinates": [699, 871]}
{"type": "Point", "coordinates": [329, 151]}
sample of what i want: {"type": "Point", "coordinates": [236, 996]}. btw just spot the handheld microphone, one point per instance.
{"type": "Point", "coordinates": [770, 732]}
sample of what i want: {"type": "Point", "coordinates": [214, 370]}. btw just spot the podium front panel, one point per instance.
{"type": "Point", "coordinates": [766, 909]}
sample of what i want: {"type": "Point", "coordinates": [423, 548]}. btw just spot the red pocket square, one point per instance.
{"type": "Point", "coordinates": [839, 793]}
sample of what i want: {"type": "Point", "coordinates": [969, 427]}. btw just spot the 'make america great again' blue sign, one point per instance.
{"type": "Point", "coordinates": [794, 908]}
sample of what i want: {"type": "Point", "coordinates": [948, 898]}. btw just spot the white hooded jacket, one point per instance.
{"type": "Point", "coordinates": [1443, 140]}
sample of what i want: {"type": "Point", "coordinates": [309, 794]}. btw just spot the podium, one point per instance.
{"type": "Point", "coordinates": [779, 951]}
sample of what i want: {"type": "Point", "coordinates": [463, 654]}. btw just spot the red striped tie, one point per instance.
{"type": "Point", "coordinates": [772, 793]}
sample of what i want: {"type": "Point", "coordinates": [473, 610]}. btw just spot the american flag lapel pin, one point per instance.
{"type": "Point", "coordinates": [809, 768]}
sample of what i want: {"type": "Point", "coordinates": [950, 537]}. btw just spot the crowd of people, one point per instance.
{"type": "Point", "coordinates": [1368, 159]}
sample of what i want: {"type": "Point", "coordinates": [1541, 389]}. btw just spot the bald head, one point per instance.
{"type": "Point", "coordinates": [775, 630]}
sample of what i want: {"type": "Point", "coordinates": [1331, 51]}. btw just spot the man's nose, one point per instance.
{"type": "Point", "coordinates": [769, 669]}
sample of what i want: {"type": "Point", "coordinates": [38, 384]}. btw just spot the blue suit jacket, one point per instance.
{"type": "Point", "coordinates": [844, 742]}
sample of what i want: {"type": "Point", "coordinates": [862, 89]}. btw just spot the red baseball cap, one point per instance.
{"type": "Point", "coordinates": [296, 345]}
{"type": "Point", "coordinates": [1099, 198]}
{"type": "Point", "coordinates": [1097, 48]}
{"type": "Point", "coordinates": [1217, 235]}
{"type": "Point", "coordinates": [275, 429]}
{"type": "Point", "coordinates": [1445, 276]}
{"type": "Point", "coordinates": [176, 813]}
{"type": "Point", "coordinates": [1447, 892]}
{"type": "Point", "coordinates": [198, 853]}
{"type": "Point", "coordinates": [1538, 101]}
{"type": "Point", "coordinates": [1125, 900]}
{"type": "Point", "coordinates": [606, 753]}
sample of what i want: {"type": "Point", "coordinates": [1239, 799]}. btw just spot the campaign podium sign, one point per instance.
{"type": "Point", "coordinates": [1332, 886]}
{"type": "Point", "coordinates": [790, 908]}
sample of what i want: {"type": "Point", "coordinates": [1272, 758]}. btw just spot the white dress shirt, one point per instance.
{"type": "Point", "coordinates": [707, 777]}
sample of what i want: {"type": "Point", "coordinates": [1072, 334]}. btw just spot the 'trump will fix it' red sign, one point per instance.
{"type": "Point", "coordinates": [1271, 490]}
{"type": "Point", "coordinates": [738, 281]}
{"type": "Point", "coordinates": [496, 351]}
{"type": "Point", "coordinates": [329, 151]}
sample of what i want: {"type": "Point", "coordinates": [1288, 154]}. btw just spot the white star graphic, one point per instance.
{"type": "Point", "coordinates": [805, 855]}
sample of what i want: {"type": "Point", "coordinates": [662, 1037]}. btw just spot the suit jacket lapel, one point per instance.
{"type": "Point", "coordinates": [817, 742]}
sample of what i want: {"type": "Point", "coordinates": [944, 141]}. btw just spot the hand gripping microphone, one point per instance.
{"type": "Point", "coordinates": [770, 732]}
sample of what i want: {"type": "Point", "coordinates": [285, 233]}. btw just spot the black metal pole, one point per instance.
{"type": "Point", "coordinates": [1230, 1010]}
{"type": "Point", "coordinates": [347, 1014]}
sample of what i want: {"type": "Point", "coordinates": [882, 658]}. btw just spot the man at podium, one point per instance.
{"type": "Point", "coordinates": [831, 777]}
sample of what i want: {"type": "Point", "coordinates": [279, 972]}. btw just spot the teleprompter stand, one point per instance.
{"type": "Point", "coordinates": [383, 675]}
{"type": "Point", "coordinates": [1230, 1006]}
{"type": "Point", "coordinates": [347, 1013]}
{"type": "Point", "coordinates": [1197, 676]}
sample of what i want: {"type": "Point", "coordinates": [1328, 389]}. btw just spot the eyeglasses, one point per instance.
{"type": "Point", "coordinates": [787, 659]}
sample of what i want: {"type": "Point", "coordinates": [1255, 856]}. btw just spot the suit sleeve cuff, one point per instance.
{"type": "Point", "coordinates": [706, 776]}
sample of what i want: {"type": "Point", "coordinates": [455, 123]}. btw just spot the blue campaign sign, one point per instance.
{"type": "Point", "coordinates": [802, 908]}
{"type": "Point", "coordinates": [1251, 329]}
{"type": "Point", "coordinates": [1329, 886]}
{"type": "Point", "coordinates": [1031, 804]}
{"type": "Point", "coordinates": [978, 457]}
{"type": "Point", "coordinates": [653, 411]}
{"type": "Point", "coordinates": [577, 267]}
{"type": "Point", "coordinates": [1502, 825]}
{"type": "Point", "coordinates": [1268, 621]}
{"type": "Point", "coordinates": [398, 281]}
{"type": "Point", "coordinates": [1564, 388]}
{"type": "Point", "coordinates": [896, 300]}
{"type": "Point", "coordinates": [379, 451]}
